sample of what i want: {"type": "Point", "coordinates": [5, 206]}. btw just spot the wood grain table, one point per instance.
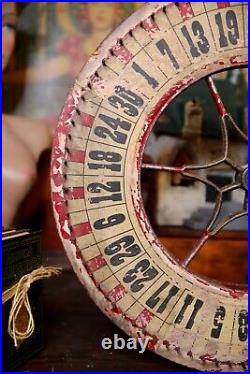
{"type": "Point", "coordinates": [74, 328]}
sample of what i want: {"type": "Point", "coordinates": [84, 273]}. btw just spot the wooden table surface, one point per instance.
{"type": "Point", "coordinates": [74, 328]}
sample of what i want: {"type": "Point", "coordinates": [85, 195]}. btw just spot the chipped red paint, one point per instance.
{"type": "Point", "coordinates": [94, 78]}
{"type": "Point", "coordinates": [115, 310]}
{"type": "Point", "coordinates": [151, 345]}
{"type": "Point", "coordinates": [149, 123]}
{"type": "Point", "coordinates": [166, 343]}
{"type": "Point", "coordinates": [122, 53]}
{"type": "Point", "coordinates": [149, 25]}
{"type": "Point", "coordinates": [78, 254]}
{"type": "Point", "coordinates": [129, 320]}
{"type": "Point", "coordinates": [87, 119]}
{"type": "Point", "coordinates": [234, 61]}
{"type": "Point", "coordinates": [152, 342]}
{"type": "Point", "coordinates": [57, 178]}
{"type": "Point", "coordinates": [144, 318]}
{"type": "Point", "coordinates": [155, 113]}
{"type": "Point", "coordinates": [186, 10]}
{"type": "Point", "coordinates": [62, 130]}
{"type": "Point", "coordinates": [96, 263]}
{"type": "Point", "coordinates": [74, 193]}
{"type": "Point", "coordinates": [61, 209]}
{"type": "Point", "coordinates": [216, 97]}
{"type": "Point", "coordinates": [179, 169]}
{"type": "Point", "coordinates": [203, 281]}
{"type": "Point", "coordinates": [68, 109]}
{"type": "Point", "coordinates": [81, 229]}
{"type": "Point", "coordinates": [76, 156]}
{"type": "Point", "coordinates": [219, 62]}
{"type": "Point", "coordinates": [56, 158]}
{"type": "Point", "coordinates": [222, 5]}
{"type": "Point", "coordinates": [117, 293]}
{"type": "Point", "coordinates": [207, 357]}
{"type": "Point", "coordinates": [57, 152]}
{"type": "Point", "coordinates": [140, 213]}
{"type": "Point", "coordinates": [237, 294]}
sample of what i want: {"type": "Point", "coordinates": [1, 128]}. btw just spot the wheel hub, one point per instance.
{"type": "Point", "coordinates": [242, 178]}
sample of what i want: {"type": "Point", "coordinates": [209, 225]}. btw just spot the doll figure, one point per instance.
{"type": "Point", "coordinates": [23, 139]}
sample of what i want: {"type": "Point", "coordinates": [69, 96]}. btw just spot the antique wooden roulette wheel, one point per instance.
{"type": "Point", "coordinates": [95, 173]}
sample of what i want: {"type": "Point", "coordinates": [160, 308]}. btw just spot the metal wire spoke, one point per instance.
{"type": "Point", "coordinates": [209, 234]}
{"type": "Point", "coordinates": [182, 169]}
{"type": "Point", "coordinates": [201, 179]}
{"type": "Point", "coordinates": [230, 187]}
{"type": "Point", "coordinates": [215, 224]}
{"type": "Point", "coordinates": [171, 169]}
{"type": "Point", "coordinates": [225, 147]}
{"type": "Point", "coordinates": [221, 109]}
{"type": "Point", "coordinates": [228, 161]}
{"type": "Point", "coordinates": [225, 119]}
{"type": "Point", "coordinates": [223, 113]}
{"type": "Point", "coordinates": [230, 218]}
{"type": "Point", "coordinates": [195, 249]}
{"type": "Point", "coordinates": [218, 205]}
{"type": "Point", "coordinates": [236, 127]}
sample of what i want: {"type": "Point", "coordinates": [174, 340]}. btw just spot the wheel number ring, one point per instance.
{"type": "Point", "coordinates": [95, 168]}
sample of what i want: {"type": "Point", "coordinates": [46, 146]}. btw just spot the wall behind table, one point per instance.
{"type": "Point", "coordinates": [54, 40]}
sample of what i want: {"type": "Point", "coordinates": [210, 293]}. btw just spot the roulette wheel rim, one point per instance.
{"type": "Point", "coordinates": [137, 315]}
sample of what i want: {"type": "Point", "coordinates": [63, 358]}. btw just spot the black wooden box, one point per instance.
{"type": "Point", "coordinates": [21, 254]}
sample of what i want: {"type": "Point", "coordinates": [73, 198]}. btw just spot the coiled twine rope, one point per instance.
{"type": "Point", "coordinates": [20, 303]}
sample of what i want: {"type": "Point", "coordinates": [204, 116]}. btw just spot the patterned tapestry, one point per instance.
{"type": "Point", "coordinates": [54, 40]}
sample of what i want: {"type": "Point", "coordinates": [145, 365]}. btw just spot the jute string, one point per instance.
{"type": "Point", "coordinates": [19, 293]}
